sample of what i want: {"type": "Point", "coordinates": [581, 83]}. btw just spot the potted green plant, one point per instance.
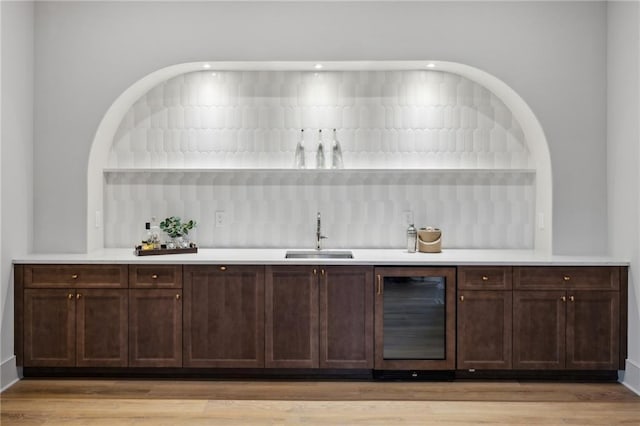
{"type": "Point", "coordinates": [176, 229]}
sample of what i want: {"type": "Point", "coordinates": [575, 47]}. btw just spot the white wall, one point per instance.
{"type": "Point", "coordinates": [551, 53]}
{"type": "Point", "coordinates": [623, 155]}
{"type": "Point", "coordinates": [17, 160]}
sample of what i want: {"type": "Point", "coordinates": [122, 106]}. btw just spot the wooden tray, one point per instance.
{"type": "Point", "coordinates": [156, 252]}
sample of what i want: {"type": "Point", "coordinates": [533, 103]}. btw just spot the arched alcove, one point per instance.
{"type": "Point", "coordinates": [114, 149]}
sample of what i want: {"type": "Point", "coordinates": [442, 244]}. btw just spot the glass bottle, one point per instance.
{"type": "Point", "coordinates": [320, 152]}
{"type": "Point", "coordinates": [299, 163]}
{"type": "Point", "coordinates": [155, 233]}
{"type": "Point", "coordinates": [336, 154]}
{"type": "Point", "coordinates": [147, 243]}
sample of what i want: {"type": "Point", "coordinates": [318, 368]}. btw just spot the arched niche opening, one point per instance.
{"type": "Point", "coordinates": [465, 121]}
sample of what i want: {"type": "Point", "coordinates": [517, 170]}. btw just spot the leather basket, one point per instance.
{"type": "Point", "coordinates": [429, 240]}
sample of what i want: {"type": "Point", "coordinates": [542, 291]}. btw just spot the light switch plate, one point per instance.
{"type": "Point", "coordinates": [220, 219]}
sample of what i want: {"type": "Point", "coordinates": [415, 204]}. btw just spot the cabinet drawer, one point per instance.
{"type": "Point", "coordinates": [566, 277]}
{"type": "Point", "coordinates": [484, 277]}
{"type": "Point", "coordinates": [75, 276]}
{"type": "Point", "coordinates": [155, 276]}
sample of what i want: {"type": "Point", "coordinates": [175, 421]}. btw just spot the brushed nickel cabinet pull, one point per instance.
{"type": "Point", "coordinates": [69, 296]}
{"type": "Point", "coordinates": [564, 298]}
{"type": "Point", "coordinates": [572, 299]}
{"type": "Point", "coordinates": [177, 297]}
{"type": "Point", "coordinates": [462, 298]}
{"type": "Point", "coordinates": [315, 271]}
{"type": "Point", "coordinates": [78, 296]}
{"type": "Point", "coordinates": [379, 290]}
{"type": "Point", "coordinates": [322, 271]}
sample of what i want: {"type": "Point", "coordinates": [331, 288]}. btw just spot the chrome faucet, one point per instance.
{"type": "Point", "coordinates": [319, 236]}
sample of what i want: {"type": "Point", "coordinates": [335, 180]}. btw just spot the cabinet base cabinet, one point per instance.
{"type": "Point", "coordinates": [346, 317]}
{"type": "Point", "coordinates": [484, 330]}
{"type": "Point", "coordinates": [82, 328]}
{"type": "Point", "coordinates": [291, 317]}
{"type": "Point", "coordinates": [49, 328]}
{"type": "Point", "coordinates": [224, 316]}
{"type": "Point", "coordinates": [155, 330]}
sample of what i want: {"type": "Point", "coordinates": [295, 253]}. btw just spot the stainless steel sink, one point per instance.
{"type": "Point", "coordinates": [319, 254]}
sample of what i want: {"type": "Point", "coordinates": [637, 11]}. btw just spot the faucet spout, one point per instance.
{"type": "Point", "coordinates": [319, 236]}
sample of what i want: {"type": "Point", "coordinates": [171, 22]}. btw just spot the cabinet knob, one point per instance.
{"type": "Point", "coordinates": [564, 298]}
{"type": "Point", "coordinates": [177, 297]}
{"type": "Point", "coordinates": [572, 299]}
{"type": "Point", "coordinates": [69, 296]}
{"type": "Point", "coordinates": [154, 276]}
{"type": "Point", "coordinates": [74, 276]}
{"type": "Point", "coordinates": [322, 271]}
{"type": "Point", "coordinates": [462, 298]}
{"type": "Point", "coordinates": [566, 278]}
{"type": "Point", "coordinates": [315, 271]}
{"type": "Point", "coordinates": [78, 296]}
{"type": "Point", "coordinates": [485, 278]}
{"type": "Point", "coordinates": [223, 268]}
{"type": "Point", "coordinates": [379, 289]}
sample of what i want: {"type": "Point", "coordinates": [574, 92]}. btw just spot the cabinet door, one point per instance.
{"type": "Point", "coordinates": [224, 316]}
{"type": "Point", "coordinates": [291, 314]}
{"type": "Point", "coordinates": [346, 317]}
{"type": "Point", "coordinates": [101, 328]}
{"type": "Point", "coordinates": [49, 328]}
{"type": "Point", "coordinates": [415, 318]}
{"type": "Point", "coordinates": [593, 339]}
{"type": "Point", "coordinates": [484, 330]}
{"type": "Point", "coordinates": [539, 330]}
{"type": "Point", "coordinates": [155, 328]}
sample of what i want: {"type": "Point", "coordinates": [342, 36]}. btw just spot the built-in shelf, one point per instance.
{"type": "Point", "coordinates": [321, 171]}
{"type": "Point", "coordinates": [264, 176]}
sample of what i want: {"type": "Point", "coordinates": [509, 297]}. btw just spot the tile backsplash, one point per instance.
{"type": "Point", "coordinates": [384, 120]}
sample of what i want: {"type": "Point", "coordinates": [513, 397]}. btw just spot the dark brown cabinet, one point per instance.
{"type": "Point", "coordinates": [484, 329]}
{"type": "Point", "coordinates": [291, 317]}
{"type": "Point", "coordinates": [67, 328]}
{"type": "Point", "coordinates": [319, 316]}
{"type": "Point", "coordinates": [346, 317]}
{"type": "Point", "coordinates": [155, 316]}
{"type": "Point", "coordinates": [566, 318]}
{"type": "Point", "coordinates": [415, 318]}
{"type": "Point", "coordinates": [224, 316]}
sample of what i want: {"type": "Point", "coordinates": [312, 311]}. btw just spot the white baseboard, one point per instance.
{"type": "Point", "coordinates": [8, 374]}
{"type": "Point", "coordinates": [632, 376]}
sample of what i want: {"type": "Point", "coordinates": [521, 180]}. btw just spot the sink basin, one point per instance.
{"type": "Point", "coordinates": [319, 254]}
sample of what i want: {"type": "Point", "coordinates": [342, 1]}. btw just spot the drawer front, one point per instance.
{"type": "Point", "coordinates": [566, 278]}
{"type": "Point", "coordinates": [75, 276]}
{"type": "Point", "coordinates": [484, 277]}
{"type": "Point", "coordinates": [155, 276]}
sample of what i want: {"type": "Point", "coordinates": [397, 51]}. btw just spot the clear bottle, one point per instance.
{"type": "Point", "coordinates": [412, 238]}
{"type": "Point", "coordinates": [299, 163]}
{"type": "Point", "coordinates": [336, 153]}
{"type": "Point", "coordinates": [320, 152]}
{"type": "Point", "coordinates": [155, 233]}
{"type": "Point", "coordinates": [146, 240]}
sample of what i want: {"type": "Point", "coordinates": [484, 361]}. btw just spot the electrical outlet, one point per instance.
{"type": "Point", "coordinates": [220, 219]}
{"type": "Point", "coordinates": [407, 216]}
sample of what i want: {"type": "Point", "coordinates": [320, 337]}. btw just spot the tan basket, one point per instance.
{"type": "Point", "coordinates": [429, 240]}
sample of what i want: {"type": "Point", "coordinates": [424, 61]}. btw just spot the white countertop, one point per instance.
{"type": "Point", "coordinates": [360, 257]}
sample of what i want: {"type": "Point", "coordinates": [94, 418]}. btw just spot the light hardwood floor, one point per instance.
{"type": "Point", "coordinates": [167, 402]}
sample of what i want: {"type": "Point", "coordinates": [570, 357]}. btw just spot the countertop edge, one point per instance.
{"type": "Point", "coordinates": [377, 257]}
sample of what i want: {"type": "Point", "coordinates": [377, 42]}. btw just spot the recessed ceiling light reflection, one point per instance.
{"type": "Point", "coordinates": [318, 66]}
{"type": "Point", "coordinates": [206, 66]}
{"type": "Point", "coordinates": [430, 65]}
